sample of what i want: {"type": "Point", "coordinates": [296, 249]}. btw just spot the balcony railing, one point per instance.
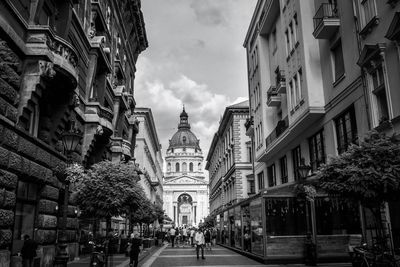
{"type": "Point", "coordinates": [280, 82]}
{"type": "Point", "coordinates": [106, 113]}
{"type": "Point", "coordinates": [273, 98]}
{"type": "Point", "coordinates": [280, 128]}
{"type": "Point", "coordinates": [326, 21]}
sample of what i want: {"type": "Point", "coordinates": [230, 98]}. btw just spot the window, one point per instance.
{"type": "Point", "coordinates": [177, 167]}
{"type": "Point", "coordinates": [288, 45]}
{"type": "Point", "coordinates": [24, 213]}
{"type": "Point", "coordinates": [337, 57]}
{"type": "Point", "coordinates": [292, 36]}
{"type": "Point", "coordinates": [274, 41]}
{"type": "Point", "coordinates": [184, 167]}
{"type": "Point", "coordinates": [292, 95]}
{"type": "Point", "coordinates": [284, 172]}
{"type": "Point", "coordinates": [296, 25]}
{"type": "Point", "coordinates": [260, 179]}
{"type": "Point", "coordinates": [380, 103]}
{"type": "Point", "coordinates": [249, 152]}
{"type": "Point", "coordinates": [251, 188]}
{"type": "Point", "coordinates": [296, 157]}
{"type": "Point", "coordinates": [368, 11]}
{"type": "Point", "coordinates": [271, 175]}
{"type": "Point", "coordinates": [191, 166]}
{"type": "Point", "coordinates": [199, 167]}
{"type": "Point", "coordinates": [346, 129]}
{"type": "Point", "coordinates": [169, 167]}
{"type": "Point", "coordinates": [317, 150]}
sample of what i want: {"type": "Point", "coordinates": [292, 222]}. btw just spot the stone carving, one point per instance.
{"type": "Point", "coordinates": [99, 130]}
{"type": "Point", "coordinates": [46, 69]}
{"type": "Point", "coordinates": [60, 48]}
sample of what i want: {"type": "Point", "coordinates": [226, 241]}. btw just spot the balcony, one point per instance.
{"type": "Point", "coordinates": [249, 126]}
{"type": "Point", "coordinates": [101, 15]}
{"type": "Point", "coordinates": [280, 82]}
{"type": "Point", "coordinates": [95, 113]}
{"type": "Point", "coordinates": [121, 148]}
{"type": "Point", "coordinates": [326, 21]}
{"type": "Point", "coordinates": [41, 42]}
{"type": "Point", "coordinates": [273, 98]}
{"type": "Point", "coordinates": [102, 46]}
{"type": "Point", "coordinates": [280, 128]}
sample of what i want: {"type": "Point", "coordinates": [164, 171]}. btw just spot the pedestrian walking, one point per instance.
{"type": "Point", "coordinates": [207, 238]}
{"type": "Point", "coordinates": [172, 233]}
{"type": "Point", "coordinates": [192, 233]}
{"type": "Point", "coordinates": [28, 251]}
{"type": "Point", "coordinates": [214, 236]}
{"type": "Point", "coordinates": [135, 248]}
{"type": "Point", "coordinates": [185, 235]}
{"type": "Point", "coordinates": [199, 238]}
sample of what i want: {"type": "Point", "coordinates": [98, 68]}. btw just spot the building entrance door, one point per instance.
{"type": "Point", "coordinates": [184, 219]}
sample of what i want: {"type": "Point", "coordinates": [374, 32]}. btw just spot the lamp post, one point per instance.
{"type": "Point", "coordinates": [311, 241]}
{"type": "Point", "coordinates": [70, 140]}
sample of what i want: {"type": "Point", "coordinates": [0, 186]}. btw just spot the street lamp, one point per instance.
{"type": "Point", "coordinates": [303, 169]}
{"type": "Point", "coordinates": [70, 140]}
{"type": "Point", "coordinates": [311, 241]}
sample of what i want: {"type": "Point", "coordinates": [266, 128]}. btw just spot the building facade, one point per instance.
{"type": "Point", "coordinates": [307, 103]}
{"type": "Point", "coordinates": [229, 162]}
{"type": "Point", "coordinates": [185, 187]}
{"type": "Point", "coordinates": [378, 29]}
{"type": "Point", "coordinates": [64, 65]}
{"type": "Point", "coordinates": [148, 156]}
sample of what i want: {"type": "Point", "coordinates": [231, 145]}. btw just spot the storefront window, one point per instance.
{"type": "Point", "coordinates": [246, 228]}
{"type": "Point", "coordinates": [256, 227]}
{"type": "Point", "coordinates": [285, 216]}
{"type": "Point", "coordinates": [224, 231]}
{"type": "Point", "coordinates": [24, 213]}
{"type": "Point", "coordinates": [231, 228]}
{"type": "Point", "coordinates": [335, 216]}
{"type": "Point", "coordinates": [238, 228]}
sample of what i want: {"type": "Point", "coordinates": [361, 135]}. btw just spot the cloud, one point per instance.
{"type": "Point", "coordinates": [203, 106]}
{"type": "Point", "coordinates": [208, 12]}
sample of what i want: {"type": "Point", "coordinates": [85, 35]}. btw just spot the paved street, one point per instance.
{"type": "Point", "coordinates": [219, 256]}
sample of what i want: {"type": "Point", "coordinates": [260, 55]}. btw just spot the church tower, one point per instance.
{"type": "Point", "coordinates": [185, 188]}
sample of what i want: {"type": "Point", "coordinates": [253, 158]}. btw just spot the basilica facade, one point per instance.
{"type": "Point", "coordinates": [185, 186]}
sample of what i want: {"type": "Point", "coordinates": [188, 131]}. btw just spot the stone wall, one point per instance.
{"type": "Point", "coordinates": [24, 157]}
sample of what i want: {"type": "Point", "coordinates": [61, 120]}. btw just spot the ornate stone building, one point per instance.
{"type": "Point", "coordinates": [185, 187]}
{"type": "Point", "coordinates": [148, 156]}
{"type": "Point", "coordinates": [63, 65]}
{"type": "Point", "coordinates": [229, 160]}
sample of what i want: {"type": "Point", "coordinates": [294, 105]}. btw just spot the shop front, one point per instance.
{"type": "Point", "coordinates": [277, 228]}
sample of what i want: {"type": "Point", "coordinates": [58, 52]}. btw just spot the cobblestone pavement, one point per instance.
{"type": "Point", "coordinates": [218, 256]}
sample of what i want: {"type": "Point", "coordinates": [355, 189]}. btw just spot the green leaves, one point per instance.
{"type": "Point", "coordinates": [368, 172]}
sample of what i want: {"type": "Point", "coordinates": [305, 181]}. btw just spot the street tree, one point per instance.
{"type": "Point", "coordinates": [105, 190]}
{"type": "Point", "coordinates": [367, 173]}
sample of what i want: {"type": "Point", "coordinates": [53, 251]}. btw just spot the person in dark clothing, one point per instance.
{"type": "Point", "coordinates": [136, 244]}
{"type": "Point", "coordinates": [28, 251]}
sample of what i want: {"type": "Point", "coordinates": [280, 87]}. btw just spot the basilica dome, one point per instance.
{"type": "Point", "coordinates": [184, 137]}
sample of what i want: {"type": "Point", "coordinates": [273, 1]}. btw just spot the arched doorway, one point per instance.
{"type": "Point", "coordinates": [185, 208]}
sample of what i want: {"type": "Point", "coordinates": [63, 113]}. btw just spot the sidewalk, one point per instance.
{"type": "Point", "coordinates": [116, 260]}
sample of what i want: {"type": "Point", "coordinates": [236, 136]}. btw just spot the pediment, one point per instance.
{"type": "Point", "coordinates": [185, 180]}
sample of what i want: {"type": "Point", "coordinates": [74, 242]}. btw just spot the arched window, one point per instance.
{"type": "Point", "coordinates": [184, 167]}
{"type": "Point", "coordinates": [191, 166]}
{"type": "Point", "coordinates": [199, 166]}
{"type": "Point", "coordinates": [184, 139]}
{"type": "Point", "coordinates": [169, 167]}
{"type": "Point", "coordinates": [177, 167]}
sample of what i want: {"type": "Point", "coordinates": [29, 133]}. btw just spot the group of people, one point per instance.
{"type": "Point", "coordinates": [200, 237]}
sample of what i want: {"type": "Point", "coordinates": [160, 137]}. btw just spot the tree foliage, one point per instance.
{"type": "Point", "coordinates": [368, 172]}
{"type": "Point", "coordinates": [106, 189]}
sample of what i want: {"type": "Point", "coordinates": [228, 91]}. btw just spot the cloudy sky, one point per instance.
{"type": "Point", "coordinates": [196, 58]}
